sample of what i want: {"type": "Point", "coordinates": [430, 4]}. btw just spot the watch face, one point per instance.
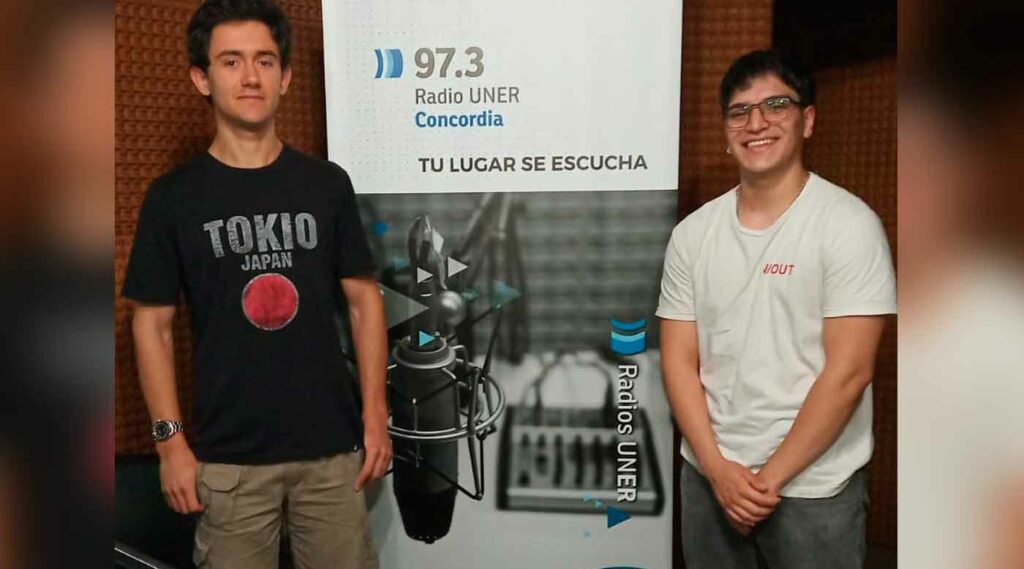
{"type": "Point", "coordinates": [162, 430]}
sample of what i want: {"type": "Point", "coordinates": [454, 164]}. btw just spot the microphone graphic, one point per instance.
{"type": "Point", "coordinates": [425, 495]}
{"type": "Point", "coordinates": [424, 368]}
{"type": "Point", "coordinates": [437, 397]}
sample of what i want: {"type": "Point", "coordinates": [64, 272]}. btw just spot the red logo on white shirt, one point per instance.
{"type": "Point", "coordinates": [778, 269]}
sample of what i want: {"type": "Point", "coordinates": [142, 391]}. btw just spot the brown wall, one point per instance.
{"type": "Point", "coordinates": [854, 145]}
{"type": "Point", "coordinates": [715, 32]}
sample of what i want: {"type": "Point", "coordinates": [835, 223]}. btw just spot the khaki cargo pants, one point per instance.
{"type": "Point", "coordinates": [246, 507]}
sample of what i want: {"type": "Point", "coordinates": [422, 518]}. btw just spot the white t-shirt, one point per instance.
{"type": "Point", "coordinates": [759, 298]}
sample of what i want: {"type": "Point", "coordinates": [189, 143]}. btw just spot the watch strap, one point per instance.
{"type": "Point", "coordinates": [174, 428]}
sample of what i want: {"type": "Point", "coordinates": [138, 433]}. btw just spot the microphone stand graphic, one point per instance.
{"type": "Point", "coordinates": [492, 239]}
{"type": "Point", "coordinates": [438, 397]}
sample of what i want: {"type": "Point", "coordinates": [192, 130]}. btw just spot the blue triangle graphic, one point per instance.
{"type": "Point", "coordinates": [425, 338]}
{"type": "Point", "coordinates": [616, 517]}
{"type": "Point", "coordinates": [598, 503]}
{"type": "Point", "coordinates": [504, 294]}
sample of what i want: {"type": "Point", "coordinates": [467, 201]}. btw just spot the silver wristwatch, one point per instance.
{"type": "Point", "coordinates": [164, 429]}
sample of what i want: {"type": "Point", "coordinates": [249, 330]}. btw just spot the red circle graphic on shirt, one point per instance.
{"type": "Point", "coordinates": [270, 301]}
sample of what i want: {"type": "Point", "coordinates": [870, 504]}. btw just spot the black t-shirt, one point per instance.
{"type": "Point", "coordinates": [259, 254]}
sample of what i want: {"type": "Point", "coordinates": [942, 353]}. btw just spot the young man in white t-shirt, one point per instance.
{"type": "Point", "coordinates": [771, 305]}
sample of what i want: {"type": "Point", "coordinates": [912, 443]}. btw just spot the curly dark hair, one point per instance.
{"type": "Point", "coordinates": [214, 12]}
{"type": "Point", "coordinates": [764, 62]}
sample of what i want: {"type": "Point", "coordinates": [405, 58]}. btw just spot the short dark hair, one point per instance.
{"type": "Point", "coordinates": [215, 12]}
{"type": "Point", "coordinates": [764, 62]}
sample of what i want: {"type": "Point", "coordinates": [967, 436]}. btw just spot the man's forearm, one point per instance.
{"type": "Point", "coordinates": [686, 393]}
{"type": "Point", "coordinates": [154, 357]}
{"type": "Point", "coordinates": [154, 348]}
{"type": "Point", "coordinates": [690, 409]}
{"type": "Point", "coordinates": [850, 345]}
{"type": "Point", "coordinates": [152, 328]}
{"type": "Point", "coordinates": [369, 334]}
{"type": "Point", "coordinates": [828, 407]}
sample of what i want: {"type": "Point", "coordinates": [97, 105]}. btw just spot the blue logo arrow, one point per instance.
{"type": "Point", "coordinates": [616, 517]}
{"type": "Point", "coordinates": [389, 63]}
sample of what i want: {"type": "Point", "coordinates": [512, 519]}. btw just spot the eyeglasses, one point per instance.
{"type": "Point", "coordinates": [774, 110]}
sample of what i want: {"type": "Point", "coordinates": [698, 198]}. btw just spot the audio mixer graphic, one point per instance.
{"type": "Point", "coordinates": [555, 459]}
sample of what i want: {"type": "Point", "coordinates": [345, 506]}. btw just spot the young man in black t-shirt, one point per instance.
{"type": "Point", "coordinates": [263, 241]}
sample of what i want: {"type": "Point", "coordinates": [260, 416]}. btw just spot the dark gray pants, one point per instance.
{"type": "Point", "coordinates": [800, 534]}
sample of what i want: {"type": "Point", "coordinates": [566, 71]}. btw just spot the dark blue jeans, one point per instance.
{"type": "Point", "coordinates": [801, 533]}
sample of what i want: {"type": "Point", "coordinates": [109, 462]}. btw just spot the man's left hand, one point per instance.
{"type": "Point", "coordinates": [377, 444]}
{"type": "Point", "coordinates": [774, 487]}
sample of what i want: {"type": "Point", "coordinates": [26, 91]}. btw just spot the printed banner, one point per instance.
{"type": "Point", "coordinates": [516, 96]}
{"type": "Point", "coordinates": [444, 113]}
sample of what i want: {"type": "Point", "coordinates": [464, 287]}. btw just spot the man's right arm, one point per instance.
{"type": "Point", "coordinates": [152, 328]}
{"type": "Point", "coordinates": [680, 362]}
{"type": "Point", "coordinates": [736, 487]}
